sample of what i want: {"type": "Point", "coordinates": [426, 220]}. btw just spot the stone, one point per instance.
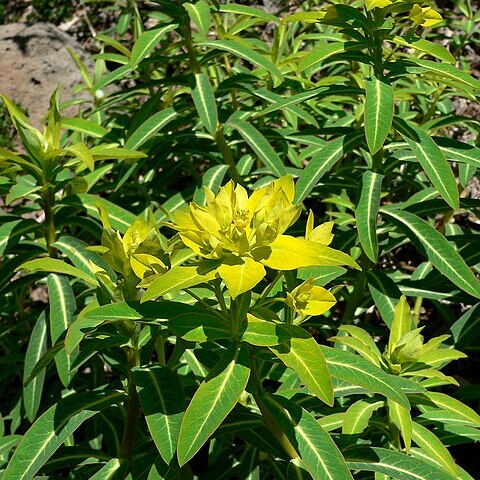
{"type": "Point", "coordinates": [33, 61]}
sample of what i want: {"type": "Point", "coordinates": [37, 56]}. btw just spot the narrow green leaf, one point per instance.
{"type": "Point", "coordinates": [439, 251]}
{"type": "Point", "coordinates": [302, 354]}
{"type": "Point", "coordinates": [204, 100]}
{"type": "Point", "coordinates": [367, 211]}
{"type": "Point", "coordinates": [385, 294]}
{"type": "Point", "coordinates": [199, 13]}
{"type": "Point", "coordinates": [150, 127]}
{"type": "Point", "coordinates": [459, 151]}
{"type": "Point", "coordinates": [397, 465]}
{"type": "Point", "coordinates": [37, 346]}
{"type": "Point", "coordinates": [318, 451]}
{"type": "Point", "coordinates": [264, 334]}
{"type": "Point", "coordinates": [322, 162]}
{"type": "Point", "coordinates": [466, 329]}
{"type": "Point", "coordinates": [378, 112]}
{"type": "Point", "coordinates": [212, 402]}
{"type": "Point", "coordinates": [434, 448]}
{"type": "Point", "coordinates": [401, 418]}
{"type": "Point", "coordinates": [432, 160]}
{"type": "Point", "coordinates": [355, 369]}
{"type": "Point", "coordinates": [114, 469]}
{"type": "Point", "coordinates": [163, 403]}
{"type": "Point", "coordinates": [62, 308]}
{"type": "Point", "coordinates": [81, 125]}
{"type": "Point", "coordinates": [260, 146]}
{"type": "Point", "coordinates": [53, 265]}
{"type": "Point", "coordinates": [120, 218]}
{"type": "Point", "coordinates": [358, 415]}
{"type": "Point", "coordinates": [322, 52]}
{"type": "Point", "coordinates": [146, 42]}
{"type": "Point", "coordinates": [426, 46]}
{"type": "Point", "coordinates": [449, 71]}
{"type": "Point", "coordinates": [200, 327]}
{"type": "Point", "coordinates": [246, 53]}
{"type": "Point", "coordinates": [212, 179]}
{"type": "Point", "coordinates": [246, 10]}
{"type": "Point", "coordinates": [175, 279]}
{"type": "Point", "coordinates": [49, 432]}
{"type": "Point", "coordinates": [401, 325]}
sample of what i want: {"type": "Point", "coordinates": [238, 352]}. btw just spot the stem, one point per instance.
{"type": "Point", "coordinates": [48, 201]}
{"type": "Point", "coordinates": [192, 53]}
{"type": "Point", "coordinates": [355, 298]}
{"type": "Point", "coordinates": [133, 408]}
{"type": "Point", "coordinates": [270, 421]}
{"type": "Point", "coordinates": [227, 155]}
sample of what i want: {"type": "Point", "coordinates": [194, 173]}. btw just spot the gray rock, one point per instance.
{"type": "Point", "coordinates": [33, 61]}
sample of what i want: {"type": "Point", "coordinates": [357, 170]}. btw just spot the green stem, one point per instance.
{"type": "Point", "coordinates": [355, 298]}
{"type": "Point", "coordinates": [227, 155]}
{"type": "Point", "coordinates": [133, 407]}
{"type": "Point", "coordinates": [270, 421]}
{"type": "Point", "coordinates": [48, 202]}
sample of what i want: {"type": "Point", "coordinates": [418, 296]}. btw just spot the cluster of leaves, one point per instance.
{"type": "Point", "coordinates": [195, 330]}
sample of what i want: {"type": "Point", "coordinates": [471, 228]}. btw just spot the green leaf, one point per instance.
{"type": "Point", "coordinates": [401, 325]}
{"type": "Point", "coordinates": [366, 213]}
{"type": "Point", "coordinates": [212, 402]}
{"type": "Point", "coordinates": [459, 151]}
{"type": "Point", "coordinates": [200, 327]}
{"type": "Point", "coordinates": [146, 42]}
{"type": "Point", "coordinates": [356, 418]}
{"type": "Point", "coordinates": [114, 469]}
{"type": "Point", "coordinates": [450, 72]}
{"type": "Point", "coordinates": [354, 369]}
{"type": "Point", "coordinates": [120, 218]}
{"type": "Point", "coordinates": [378, 112]}
{"type": "Point", "coordinates": [260, 146]}
{"type": "Point", "coordinates": [246, 53]}
{"type": "Point", "coordinates": [322, 162]}
{"type": "Point", "coordinates": [397, 465]}
{"type": "Point", "coordinates": [439, 251]}
{"type": "Point", "coordinates": [250, 11]}
{"type": "Point", "coordinates": [264, 334]}
{"type": "Point", "coordinates": [302, 354]}
{"type": "Point", "coordinates": [432, 160]}
{"type": "Point", "coordinates": [163, 403]}
{"type": "Point", "coordinates": [150, 127]}
{"type": "Point", "coordinates": [81, 125]}
{"type": "Point", "coordinates": [401, 418]}
{"type": "Point", "coordinates": [434, 448]}
{"type": "Point", "coordinates": [385, 294]}
{"type": "Point", "coordinates": [426, 46]}
{"type": "Point", "coordinates": [37, 346]}
{"type": "Point", "coordinates": [52, 265]}
{"type": "Point", "coordinates": [466, 329]}
{"type": "Point", "coordinates": [317, 450]}
{"type": "Point", "coordinates": [445, 402]}
{"type": "Point", "coordinates": [107, 152]}
{"type": "Point", "coordinates": [204, 100]}
{"type": "Point", "coordinates": [199, 13]}
{"type": "Point", "coordinates": [62, 309]}
{"type": "Point", "coordinates": [212, 179]}
{"type": "Point", "coordinates": [81, 151]}
{"type": "Point", "coordinates": [134, 310]}
{"type": "Point", "coordinates": [49, 432]}
{"type": "Point", "coordinates": [322, 52]}
{"type": "Point", "coordinates": [175, 279]}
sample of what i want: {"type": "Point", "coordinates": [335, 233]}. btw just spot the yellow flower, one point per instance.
{"type": "Point", "coordinates": [426, 16]}
{"type": "Point", "coordinates": [309, 299]}
{"type": "Point", "coordinates": [245, 234]}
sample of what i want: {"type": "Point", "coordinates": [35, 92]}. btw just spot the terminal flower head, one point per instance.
{"type": "Point", "coordinates": [310, 299]}
{"type": "Point", "coordinates": [244, 234]}
{"type": "Point", "coordinates": [425, 16]}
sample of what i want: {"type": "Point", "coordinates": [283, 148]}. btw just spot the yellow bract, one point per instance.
{"type": "Point", "coordinates": [426, 16]}
{"type": "Point", "coordinates": [309, 299]}
{"type": "Point", "coordinates": [371, 4]}
{"type": "Point", "coordinates": [245, 233]}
